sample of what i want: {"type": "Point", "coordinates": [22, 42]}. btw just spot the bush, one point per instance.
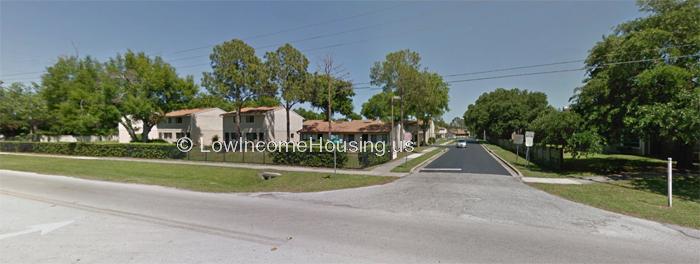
{"type": "Point", "coordinates": [431, 140]}
{"type": "Point", "coordinates": [131, 150]}
{"type": "Point", "coordinates": [368, 159]}
{"type": "Point", "coordinates": [309, 158]}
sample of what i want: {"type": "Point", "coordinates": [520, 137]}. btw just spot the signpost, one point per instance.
{"type": "Point", "coordinates": [517, 140]}
{"type": "Point", "coordinates": [670, 182]}
{"type": "Point", "coordinates": [335, 139]}
{"type": "Point", "coordinates": [407, 136]}
{"type": "Point", "coordinates": [529, 139]}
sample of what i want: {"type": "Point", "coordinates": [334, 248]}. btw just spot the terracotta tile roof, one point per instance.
{"type": "Point", "coordinates": [186, 112]}
{"type": "Point", "coordinates": [259, 109]}
{"type": "Point", "coordinates": [354, 126]}
{"type": "Point", "coordinates": [457, 131]}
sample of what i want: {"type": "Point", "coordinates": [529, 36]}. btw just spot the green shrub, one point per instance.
{"type": "Point", "coordinates": [368, 159]}
{"type": "Point", "coordinates": [131, 150]}
{"type": "Point", "coordinates": [309, 158]}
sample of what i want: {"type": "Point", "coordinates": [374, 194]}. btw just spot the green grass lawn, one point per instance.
{"type": "Point", "coordinates": [637, 188]}
{"type": "Point", "coordinates": [191, 177]}
{"type": "Point", "coordinates": [407, 166]}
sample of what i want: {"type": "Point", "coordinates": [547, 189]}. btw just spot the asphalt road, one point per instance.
{"type": "Point", "coordinates": [472, 159]}
{"type": "Point", "coordinates": [420, 218]}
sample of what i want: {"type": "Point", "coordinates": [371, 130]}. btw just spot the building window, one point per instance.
{"type": "Point", "coordinates": [179, 120]}
{"type": "Point", "coordinates": [319, 136]}
{"type": "Point", "coordinates": [167, 135]}
{"type": "Point", "coordinates": [373, 138]}
{"type": "Point", "coordinates": [291, 135]}
{"type": "Point", "coordinates": [234, 119]}
{"type": "Point", "coordinates": [250, 119]}
{"type": "Point", "coordinates": [179, 135]}
{"type": "Point", "coordinates": [261, 136]}
{"type": "Point", "coordinates": [351, 138]}
{"type": "Point", "coordinates": [170, 120]}
{"type": "Point", "coordinates": [251, 136]}
{"type": "Point", "coordinates": [365, 137]}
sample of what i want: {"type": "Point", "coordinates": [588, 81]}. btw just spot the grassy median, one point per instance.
{"type": "Point", "coordinates": [190, 177]}
{"type": "Point", "coordinates": [408, 166]}
{"type": "Point", "coordinates": [637, 186]}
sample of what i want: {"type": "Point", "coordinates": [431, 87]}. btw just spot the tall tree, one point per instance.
{"type": "Point", "coordinates": [503, 112]}
{"type": "Point", "coordinates": [237, 75]}
{"type": "Point", "coordinates": [76, 96]}
{"type": "Point", "coordinates": [287, 68]}
{"type": "Point", "coordinates": [379, 107]}
{"type": "Point", "coordinates": [655, 95]}
{"type": "Point", "coordinates": [398, 73]}
{"type": "Point", "coordinates": [146, 89]}
{"type": "Point", "coordinates": [341, 94]}
{"type": "Point", "coordinates": [24, 111]}
{"type": "Point", "coordinates": [429, 99]}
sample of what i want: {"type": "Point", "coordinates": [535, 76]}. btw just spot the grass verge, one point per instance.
{"type": "Point", "coordinates": [190, 177]}
{"type": "Point", "coordinates": [408, 166]}
{"type": "Point", "coordinates": [638, 187]}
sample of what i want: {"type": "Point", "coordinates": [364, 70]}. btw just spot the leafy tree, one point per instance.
{"type": "Point", "coordinates": [565, 129]}
{"type": "Point", "coordinates": [503, 112]}
{"type": "Point", "coordinates": [24, 111]}
{"type": "Point", "coordinates": [429, 99]}
{"type": "Point", "coordinates": [654, 95]}
{"type": "Point", "coordinates": [457, 122]}
{"type": "Point", "coordinates": [399, 73]}
{"type": "Point", "coordinates": [147, 88]}
{"type": "Point", "coordinates": [288, 74]}
{"type": "Point", "coordinates": [237, 75]}
{"type": "Point", "coordinates": [341, 95]}
{"type": "Point", "coordinates": [309, 115]}
{"type": "Point", "coordinates": [77, 98]}
{"type": "Point", "coordinates": [379, 107]}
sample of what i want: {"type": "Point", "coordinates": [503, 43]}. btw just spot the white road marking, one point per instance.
{"type": "Point", "coordinates": [441, 169]}
{"type": "Point", "coordinates": [44, 228]}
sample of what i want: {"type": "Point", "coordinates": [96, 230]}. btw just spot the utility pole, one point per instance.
{"type": "Point", "coordinates": [328, 70]}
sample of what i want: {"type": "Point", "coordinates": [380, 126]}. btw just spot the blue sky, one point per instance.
{"type": "Point", "coordinates": [452, 37]}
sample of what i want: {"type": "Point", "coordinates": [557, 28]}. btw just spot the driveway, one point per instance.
{"type": "Point", "coordinates": [424, 217]}
{"type": "Point", "coordinates": [471, 159]}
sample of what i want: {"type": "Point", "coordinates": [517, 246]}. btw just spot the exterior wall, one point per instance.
{"type": "Point", "coordinates": [168, 128]}
{"type": "Point", "coordinates": [207, 125]}
{"type": "Point", "coordinates": [273, 125]}
{"type": "Point", "coordinates": [123, 135]}
{"type": "Point", "coordinates": [279, 122]}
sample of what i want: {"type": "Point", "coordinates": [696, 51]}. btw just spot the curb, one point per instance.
{"type": "Point", "coordinates": [509, 167]}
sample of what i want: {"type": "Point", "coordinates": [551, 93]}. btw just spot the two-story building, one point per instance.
{"type": "Point", "coordinates": [197, 123]}
{"type": "Point", "coordinates": [265, 123]}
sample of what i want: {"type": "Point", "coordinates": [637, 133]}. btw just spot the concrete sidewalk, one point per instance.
{"type": "Point", "coordinates": [385, 169]}
{"type": "Point", "coordinates": [380, 170]}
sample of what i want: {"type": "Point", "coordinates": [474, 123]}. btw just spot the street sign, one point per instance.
{"type": "Point", "coordinates": [335, 139]}
{"type": "Point", "coordinates": [518, 139]}
{"type": "Point", "coordinates": [529, 137]}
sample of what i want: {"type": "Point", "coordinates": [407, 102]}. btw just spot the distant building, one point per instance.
{"type": "Point", "coordinates": [198, 123]}
{"type": "Point", "coordinates": [418, 133]}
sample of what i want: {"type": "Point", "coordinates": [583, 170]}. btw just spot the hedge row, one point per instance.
{"type": "Point", "coordinates": [131, 150]}
{"type": "Point", "coordinates": [368, 159]}
{"type": "Point", "coordinates": [309, 158]}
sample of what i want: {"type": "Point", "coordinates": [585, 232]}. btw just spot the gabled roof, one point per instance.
{"type": "Point", "coordinates": [186, 112]}
{"type": "Point", "coordinates": [259, 109]}
{"type": "Point", "coordinates": [353, 126]}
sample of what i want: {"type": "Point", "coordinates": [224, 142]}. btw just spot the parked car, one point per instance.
{"type": "Point", "coordinates": [461, 143]}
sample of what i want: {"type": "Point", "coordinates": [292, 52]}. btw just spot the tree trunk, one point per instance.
{"type": "Point", "coordinates": [146, 129]}
{"type": "Point", "coordinates": [683, 155]}
{"type": "Point", "coordinates": [129, 129]}
{"type": "Point", "coordinates": [287, 107]}
{"type": "Point", "coordinates": [238, 125]}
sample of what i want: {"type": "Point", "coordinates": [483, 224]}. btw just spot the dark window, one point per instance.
{"type": "Point", "coordinates": [250, 119]}
{"type": "Point", "coordinates": [319, 136]}
{"type": "Point", "coordinates": [365, 137]}
{"type": "Point", "coordinates": [179, 120]}
{"type": "Point", "coordinates": [351, 137]}
{"type": "Point", "coordinates": [261, 136]}
{"type": "Point", "coordinates": [251, 136]}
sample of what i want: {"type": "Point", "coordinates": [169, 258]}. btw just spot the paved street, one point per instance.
{"type": "Point", "coordinates": [472, 159]}
{"type": "Point", "coordinates": [424, 217]}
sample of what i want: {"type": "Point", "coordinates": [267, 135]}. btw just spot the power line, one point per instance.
{"type": "Point", "coordinates": [326, 22]}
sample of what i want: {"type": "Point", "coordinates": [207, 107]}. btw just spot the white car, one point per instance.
{"type": "Point", "coordinates": [461, 143]}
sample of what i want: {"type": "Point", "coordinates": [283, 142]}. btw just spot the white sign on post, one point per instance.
{"type": "Point", "coordinates": [529, 137]}
{"type": "Point", "coordinates": [518, 139]}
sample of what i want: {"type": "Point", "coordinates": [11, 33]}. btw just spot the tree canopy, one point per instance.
{"type": "Point", "coordinates": [656, 95]}
{"type": "Point", "coordinates": [287, 68]}
{"type": "Point", "coordinates": [503, 112]}
{"type": "Point", "coordinates": [24, 111]}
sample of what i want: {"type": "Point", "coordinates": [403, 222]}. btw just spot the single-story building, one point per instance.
{"type": "Point", "coordinates": [265, 123]}
{"type": "Point", "coordinates": [415, 127]}
{"type": "Point", "coordinates": [353, 130]}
